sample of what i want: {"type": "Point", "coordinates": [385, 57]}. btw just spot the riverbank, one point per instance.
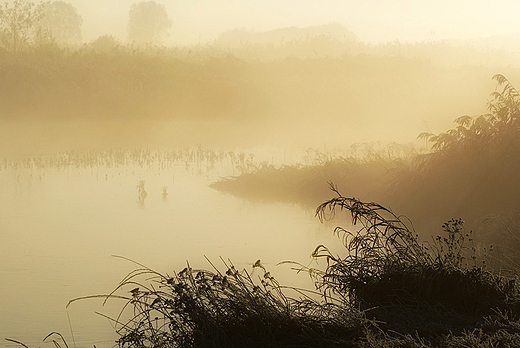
{"type": "Point", "coordinates": [470, 172]}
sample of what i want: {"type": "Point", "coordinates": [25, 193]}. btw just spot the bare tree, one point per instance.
{"type": "Point", "coordinates": [148, 23]}
{"type": "Point", "coordinates": [60, 22]}
{"type": "Point", "coordinates": [17, 22]}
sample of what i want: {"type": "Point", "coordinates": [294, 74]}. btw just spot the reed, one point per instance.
{"type": "Point", "coordinates": [201, 308]}
{"type": "Point", "coordinates": [306, 184]}
{"type": "Point", "coordinates": [141, 192]}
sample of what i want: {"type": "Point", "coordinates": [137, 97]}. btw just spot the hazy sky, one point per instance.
{"type": "Point", "coordinates": [370, 20]}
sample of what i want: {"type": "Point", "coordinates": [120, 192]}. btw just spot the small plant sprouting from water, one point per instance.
{"type": "Point", "coordinates": [141, 193]}
{"type": "Point", "coordinates": [165, 193]}
{"type": "Point", "coordinates": [204, 160]}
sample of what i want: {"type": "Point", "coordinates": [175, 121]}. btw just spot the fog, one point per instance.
{"type": "Point", "coordinates": [304, 74]}
{"type": "Point", "coordinates": [165, 131]}
{"type": "Point", "coordinates": [376, 21]}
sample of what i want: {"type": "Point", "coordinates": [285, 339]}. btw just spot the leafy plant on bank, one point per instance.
{"type": "Point", "coordinates": [483, 130]}
{"type": "Point", "coordinates": [430, 287]}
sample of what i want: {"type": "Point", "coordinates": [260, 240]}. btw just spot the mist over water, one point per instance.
{"type": "Point", "coordinates": [61, 225]}
{"type": "Point", "coordinates": [109, 143]}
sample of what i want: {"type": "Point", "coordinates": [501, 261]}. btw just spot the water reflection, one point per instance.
{"type": "Point", "coordinates": [165, 193]}
{"type": "Point", "coordinates": [61, 223]}
{"type": "Point", "coordinates": [141, 193]}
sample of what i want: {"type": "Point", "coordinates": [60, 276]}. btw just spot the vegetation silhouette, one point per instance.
{"type": "Point", "coordinates": [388, 289]}
{"type": "Point", "coordinates": [141, 193]}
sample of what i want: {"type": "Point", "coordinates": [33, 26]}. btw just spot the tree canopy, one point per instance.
{"type": "Point", "coordinates": [61, 22]}
{"type": "Point", "coordinates": [148, 23]}
{"type": "Point", "coordinates": [17, 22]}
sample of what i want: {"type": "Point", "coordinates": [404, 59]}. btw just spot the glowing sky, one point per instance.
{"type": "Point", "coordinates": [370, 20]}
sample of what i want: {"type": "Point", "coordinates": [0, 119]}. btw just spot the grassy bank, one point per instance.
{"type": "Point", "coordinates": [470, 172]}
{"type": "Point", "coordinates": [387, 290]}
{"type": "Point", "coordinates": [365, 175]}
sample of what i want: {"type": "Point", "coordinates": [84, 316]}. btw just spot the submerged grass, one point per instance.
{"type": "Point", "coordinates": [388, 290]}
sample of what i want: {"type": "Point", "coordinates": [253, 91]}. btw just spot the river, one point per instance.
{"type": "Point", "coordinates": [63, 221]}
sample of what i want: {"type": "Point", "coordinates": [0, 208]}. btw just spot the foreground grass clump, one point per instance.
{"type": "Point", "coordinates": [200, 308]}
{"type": "Point", "coordinates": [389, 290]}
{"type": "Point", "coordinates": [410, 287]}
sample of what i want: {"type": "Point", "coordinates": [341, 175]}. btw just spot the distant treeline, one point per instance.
{"type": "Point", "coordinates": [105, 79]}
{"type": "Point", "coordinates": [298, 78]}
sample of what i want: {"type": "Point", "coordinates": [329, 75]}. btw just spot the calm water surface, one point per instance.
{"type": "Point", "coordinates": [60, 227]}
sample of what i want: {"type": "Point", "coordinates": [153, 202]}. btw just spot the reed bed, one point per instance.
{"type": "Point", "coordinates": [197, 160]}
{"type": "Point", "coordinates": [307, 184]}
{"type": "Point", "coordinates": [437, 286]}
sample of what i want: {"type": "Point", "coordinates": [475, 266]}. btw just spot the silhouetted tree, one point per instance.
{"type": "Point", "coordinates": [17, 22]}
{"type": "Point", "coordinates": [60, 22]}
{"type": "Point", "coordinates": [500, 125]}
{"type": "Point", "coordinates": [104, 44]}
{"type": "Point", "coordinates": [148, 23]}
